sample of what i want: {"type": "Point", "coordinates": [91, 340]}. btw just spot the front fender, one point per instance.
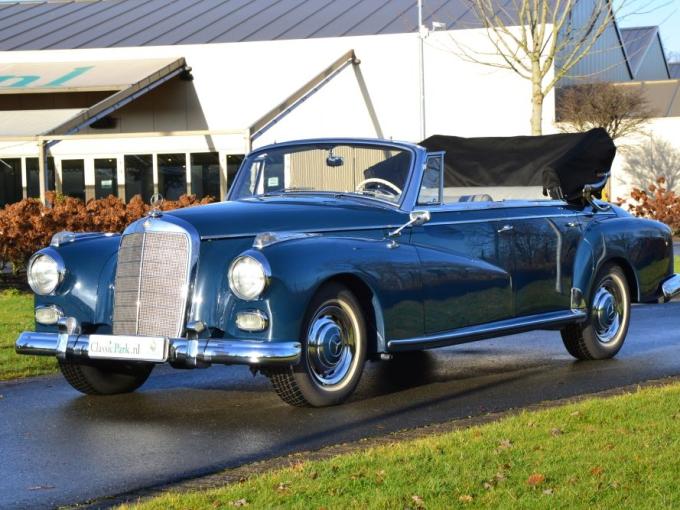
{"type": "Point", "coordinates": [300, 267]}
{"type": "Point", "coordinates": [86, 292]}
{"type": "Point", "coordinates": [644, 247]}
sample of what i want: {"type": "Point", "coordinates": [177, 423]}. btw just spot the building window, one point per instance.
{"type": "Point", "coordinates": [172, 175]}
{"type": "Point", "coordinates": [205, 175]}
{"type": "Point", "coordinates": [138, 177]}
{"type": "Point", "coordinates": [73, 178]}
{"type": "Point", "coordinates": [10, 181]}
{"type": "Point", "coordinates": [233, 164]}
{"type": "Point", "coordinates": [33, 177]}
{"type": "Point", "coordinates": [105, 177]}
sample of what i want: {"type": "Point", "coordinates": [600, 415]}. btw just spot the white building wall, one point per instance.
{"type": "Point", "coordinates": [666, 128]}
{"type": "Point", "coordinates": [236, 83]}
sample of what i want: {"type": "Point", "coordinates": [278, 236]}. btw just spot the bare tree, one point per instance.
{"type": "Point", "coordinates": [647, 162]}
{"type": "Point", "coordinates": [620, 110]}
{"type": "Point", "coordinates": [535, 37]}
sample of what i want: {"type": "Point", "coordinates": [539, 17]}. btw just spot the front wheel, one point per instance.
{"type": "Point", "coordinates": [333, 352]}
{"type": "Point", "coordinates": [105, 379]}
{"type": "Point", "coordinates": [602, 335]}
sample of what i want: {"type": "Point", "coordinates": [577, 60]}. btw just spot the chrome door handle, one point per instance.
{"type": "Point", "coordinates": [572, 224]}
{"type": "Point", "coordinates": [505, 228]}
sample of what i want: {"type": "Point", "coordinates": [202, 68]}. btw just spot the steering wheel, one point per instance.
{"type": "Point", "coordinates": [376, 180]}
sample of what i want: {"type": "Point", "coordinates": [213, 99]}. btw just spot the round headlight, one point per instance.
{"type": "Point", "coordinates": [247, 278]}
{"type": "Point", "coordinates": [44, 274]}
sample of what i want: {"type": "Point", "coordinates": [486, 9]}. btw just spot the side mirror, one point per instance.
{"type": "Point", "coordinates": [419, 218]}
{"type": "Point", "coordinates": [416, 218]}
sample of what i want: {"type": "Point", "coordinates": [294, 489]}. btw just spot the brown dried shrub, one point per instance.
{"type": "Point", "coordinates": [29, 225]}
{"type": "Point", "coordinates": [658, 203]}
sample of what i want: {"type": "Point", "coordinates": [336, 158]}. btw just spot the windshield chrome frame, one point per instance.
{"type": "Point", "coordinates": [406, 200]}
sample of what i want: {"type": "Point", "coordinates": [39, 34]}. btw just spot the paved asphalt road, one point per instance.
{"type": "Point", "coordinates": [58, 447]}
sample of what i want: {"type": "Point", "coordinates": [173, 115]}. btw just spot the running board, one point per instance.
{"type": "Point", "coordinates": [482, 331]}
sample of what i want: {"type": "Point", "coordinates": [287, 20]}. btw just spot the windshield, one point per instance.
{"type": "Point", "coordinates": [374, 171]}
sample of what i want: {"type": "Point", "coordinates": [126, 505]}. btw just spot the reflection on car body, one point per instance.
{"type": "Point", "coordinates": [332, 252]}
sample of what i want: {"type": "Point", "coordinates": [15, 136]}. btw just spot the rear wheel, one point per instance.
{"type": "Point", "coordinates": [333, 352]}
{"type": "Point", "coordinates": [602, 335]}
{"type": "Point", "coordinates": [106, 379]}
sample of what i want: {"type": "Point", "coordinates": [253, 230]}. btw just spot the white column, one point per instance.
{"type": "Point", "coordinates": [187, 163]}
{"type": "Point", "coordinates": [154, 162]}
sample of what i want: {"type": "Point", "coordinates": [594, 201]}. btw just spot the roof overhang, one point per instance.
{"type": "Point", "coordinates": [125, 79]}
{"type": "Point", "coordinates": [51, 77]}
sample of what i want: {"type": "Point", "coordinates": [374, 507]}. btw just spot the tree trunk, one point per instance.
{"type": "Point", "coordinates": [536, 99]}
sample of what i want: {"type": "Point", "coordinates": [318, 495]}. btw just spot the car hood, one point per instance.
{"type": "Point", "coordinates": [275, 214]}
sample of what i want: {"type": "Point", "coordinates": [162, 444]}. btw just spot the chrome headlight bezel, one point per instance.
{"type": "Point", "coordinates": [53, 258]}
{"type": "Point", "coordinates": [255, 262]}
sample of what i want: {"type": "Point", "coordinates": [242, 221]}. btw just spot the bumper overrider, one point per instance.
{"type": "Point", "coordinates": [671, 286]}
{"type": "Point", "coordinates": [69, 344]}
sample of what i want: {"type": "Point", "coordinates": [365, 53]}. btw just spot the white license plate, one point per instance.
{"type": "Point", "coordinates": [139, 348]}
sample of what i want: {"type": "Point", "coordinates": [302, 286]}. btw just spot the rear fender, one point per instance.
{"type": "Point", "coordinates": [642, 247]}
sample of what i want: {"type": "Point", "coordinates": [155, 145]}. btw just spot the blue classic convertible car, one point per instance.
{"type": "Point", "coordinates": [332, 252]}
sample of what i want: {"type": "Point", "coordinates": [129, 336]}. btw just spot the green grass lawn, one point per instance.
{"type": "Point", "coordinates": [16, 315]}
{"type": "Point", "coordinates": [619, 452]}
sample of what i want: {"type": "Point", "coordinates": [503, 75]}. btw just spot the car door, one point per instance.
{"type": "Point", "coordinates": [542, 240]}
{"type": "Point", "coordinates": [463, 282]}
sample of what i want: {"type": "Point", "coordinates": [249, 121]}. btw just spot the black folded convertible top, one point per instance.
{"type": "Point", "coordinates": [561, 163]}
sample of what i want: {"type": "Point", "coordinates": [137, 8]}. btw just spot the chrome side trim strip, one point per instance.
{"type": "Point", "coordinates": [509, 218]}
{"type": "Point", "coordinates": [301, 232]}
{"type": "Point", "coordinates": [671, 287]}
{"type": "Point", "coordinates": [393, 226]}
{"type": "Point", "coordinates": [482, 331]}
{"type": "Point", "coordinates": [188, 353]}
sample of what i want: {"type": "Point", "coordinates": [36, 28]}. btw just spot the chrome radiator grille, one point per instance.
{"type": "Point", "coordinates": [152, 279]}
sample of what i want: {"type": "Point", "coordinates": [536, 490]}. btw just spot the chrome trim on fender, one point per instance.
{"type": "Point", "coordinates": [219, 237]}
{"type": "Point", "coordinates": [432, 222]}
{"type": "Point", "coordinates": [65, 237]}
{"type": "Point", "coordinates": [264, 239]}
{"type": "Point", "coordinates": [190, 353]}
{"type": "Point", "coordinates": [482, 331]}
{"type": "Point", "coordinates": [671, 286]}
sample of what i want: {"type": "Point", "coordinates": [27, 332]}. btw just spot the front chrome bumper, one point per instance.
{"type": "Point", "coordinates": [671, 286]}
{"type": "Point", "coordinates": [182, 351]}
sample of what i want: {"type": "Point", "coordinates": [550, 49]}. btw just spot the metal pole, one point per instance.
{"type": "Point", "coordinates": [42, 171]}
{"type": "Point", "coordinates": [422, 32]}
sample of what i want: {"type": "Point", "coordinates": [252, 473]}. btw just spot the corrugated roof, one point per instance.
{"type": "Point", "coordinates": [636, 42]}
{"type": "Point", "coordinates": [112, 23]}
{"type": "Point", "coordinates": [674, 69]}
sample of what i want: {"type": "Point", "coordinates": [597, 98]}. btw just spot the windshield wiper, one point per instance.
{"type": "Point", "coordinates": [293, 189]}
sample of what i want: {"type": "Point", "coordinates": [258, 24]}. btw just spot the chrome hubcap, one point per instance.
{"type": "Point", "coordinates": [331, 345]}
{"type": "Point", "coordinates": [607, 312]}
